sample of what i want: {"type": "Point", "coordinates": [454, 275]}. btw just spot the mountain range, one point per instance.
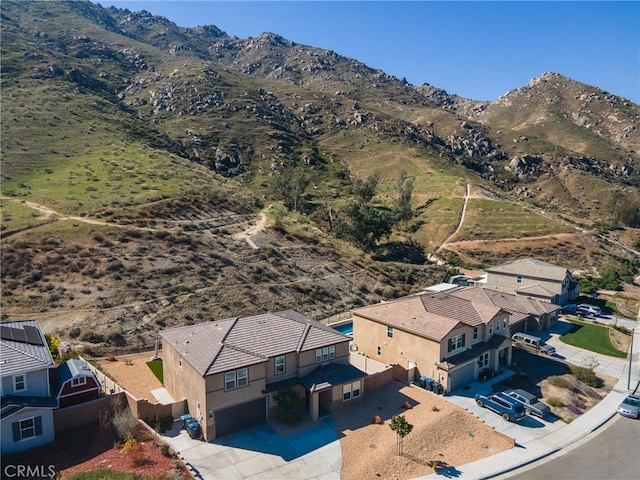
{"type": "Point", "coordinates": [156, 175]}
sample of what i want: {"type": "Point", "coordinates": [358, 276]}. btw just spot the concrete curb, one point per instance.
{"type": "Point", "coordinates": [544, 447]}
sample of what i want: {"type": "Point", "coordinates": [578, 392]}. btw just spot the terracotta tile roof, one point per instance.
{"type": "Point", "coordinates": [519, 306]}
{"type": "Point", "coordinates": [530, 267]}
{"type": "Point", "coordinates": [223, 345]}
{"type": "Point", "coordinates": [430, 315]}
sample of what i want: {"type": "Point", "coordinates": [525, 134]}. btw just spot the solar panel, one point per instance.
{"type": "Point", "coordinates": [5, 332]}
{"type": "Point", "coordinates": [32, 335]}
{"type": "Point", "coordinates": [29, 335]}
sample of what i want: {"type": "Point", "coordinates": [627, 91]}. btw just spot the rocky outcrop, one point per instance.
{"type": "Point", "coordinates": [525, 166]}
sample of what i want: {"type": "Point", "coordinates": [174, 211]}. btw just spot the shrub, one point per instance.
{"type": "Point", "coordinates": [561, 382]}
{"type": "Point", "coordinates": [124, 423]}
{"type": "Point", "coordinates": [290, 406]}
{"type": "Point", "coordinates": [555, 402]}
{"type": "Point", "coordinates": [585, 375]}
{"type": "Point", "coordinates": [111, 358]}
{"type": "Point", "coordinates": [435, 408]}
{"type": "Point", "coordinates": [165, 450]}
{"type": "Point", "coordinates": [130, 444]}
{"type": "Point", "coordinates": [377, 420]}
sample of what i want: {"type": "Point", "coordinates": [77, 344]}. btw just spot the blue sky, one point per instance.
{"type": "Point", "coordinates": [477, 49]}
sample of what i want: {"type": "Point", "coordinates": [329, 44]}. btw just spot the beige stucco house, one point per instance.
{"type": "Point", "coordinates": [526, 314]}
{"type": "Point", "coordinates": [534, 278]}
{"type": "Point", "coordinates": [229, 370]}
{"type": "Point", "coordinates": [437, 335]}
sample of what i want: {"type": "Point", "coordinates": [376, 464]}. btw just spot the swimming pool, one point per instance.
{"type": "Point", "coordinates": [345, 328]}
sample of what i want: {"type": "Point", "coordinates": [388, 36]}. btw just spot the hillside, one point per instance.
{"type": "Point", "coordinates": [148, 170]}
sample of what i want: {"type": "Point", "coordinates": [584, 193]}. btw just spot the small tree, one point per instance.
{"type": "Point", "coordinates": [290, 405]}
{"type": "Point", "coordinates": [404, 187]}
{"type": "Point", "coordinates": [402, 428]}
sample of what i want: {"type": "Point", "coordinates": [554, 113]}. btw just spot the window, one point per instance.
{"type": "Point", "coordinates": [236, 379]}
{"type": "Point", "coordinates": [504, 323]}
{"type": "Point", "coordinates": [475, 333]}
{"type": "Point", "coordinates": [280, 365]}
{"type": "Point", "coordinates": [490, 328]}
{"type": "Point", "coordinates": [483, 360]}
{"type": "Point", "coordinates": [350, 390]}
{"type": "Point", "coordinates": [19, 383]}
{"type": "Point", "coordinates": [230, 380]}
{"type": "Point", "coordinates": [519, 279]}
{"type": "Point", "coordinates": [379, 350]}
{"type": "Point", "coordinates": [180, 362]}
{"type": "Point", "coordinates": [76, 382]}
{"type": "Point", "coordinates": [456, 342]}
{"type": "Point", "coordinates": [325, 353]}
{"type": "Point", "coordinates": [389, 332]}
{"type": "Point", "coordinates": [498, 326]}
{"type": "Point", "coordinates": [27, 428]}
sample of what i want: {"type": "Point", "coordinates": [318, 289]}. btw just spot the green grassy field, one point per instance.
{"type": "Point", "coordinates": [591, 337]}
{"type": "Point", "coordinates": [492, 219]}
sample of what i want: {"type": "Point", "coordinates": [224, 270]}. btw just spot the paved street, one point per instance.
{"type": "Point", "coordinates": [611, 453]}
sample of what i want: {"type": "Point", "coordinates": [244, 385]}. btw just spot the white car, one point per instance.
{"type": "Point", "coordinates": [588, 310]}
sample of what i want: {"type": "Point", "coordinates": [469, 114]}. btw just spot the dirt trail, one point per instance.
{"type": "Point", "coordinates": [460, 221]}
{"type": "Point", "coordinates": [254, 229]}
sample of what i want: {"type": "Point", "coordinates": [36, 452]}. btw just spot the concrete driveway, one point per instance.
{"type": "Point", "coordinates": [526, 430]}
{"type": "Point", "coordinates": [310, 452]}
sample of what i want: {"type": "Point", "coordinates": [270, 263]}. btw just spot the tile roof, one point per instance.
{"type": "Point", "coordinates": [537, 290]}
{"type": "Point", "coordinates": [514, 304]}
{"type": "Point", "coordinates": [19, 356]}
{"type": "Point", "coordinates": [224, 345]}
{"type": "Point", "coordinates": [430, 315]}
{"type": "Point", "coordinates": [530, 267]}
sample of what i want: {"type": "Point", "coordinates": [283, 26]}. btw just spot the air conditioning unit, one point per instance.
{"type": "Point", "coordinates": [353, 347]}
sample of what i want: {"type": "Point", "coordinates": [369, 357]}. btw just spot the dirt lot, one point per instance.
{"type": "Point", "coordinates": [131, 373]}
{"type": "Point", "coordinates": [442, 432]}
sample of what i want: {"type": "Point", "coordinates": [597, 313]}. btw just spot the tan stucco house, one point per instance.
{"type": "Point", "coordinates": [526, 314]}
{"type": "Point", "coordinates": [229, 370]}
{"type": "Point", "coordinates": [435, 334]}
{"type": "Point", "coordinates": [534, 278]}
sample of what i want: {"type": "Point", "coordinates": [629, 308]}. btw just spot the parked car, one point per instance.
{"type": "Point", "coordinates": [530, 402]}
{"type": "Point", "coordinates": [630, 406]}
{"type": "Point", "coordinates": [570, 308]}
{"type": "Point", "coordinates": [532, 343]}
{"type": "Point", "coordinates": [503, 405]}
{"type": "Point", "coordinates": [588, 310]}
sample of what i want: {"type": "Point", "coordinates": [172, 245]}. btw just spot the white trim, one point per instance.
{"type": "Point", "coordinates": [24, 381]}
{"type": "Point", "coordinates": [35, 435]}
{"type": "Point", "coordinates": [81, 381]}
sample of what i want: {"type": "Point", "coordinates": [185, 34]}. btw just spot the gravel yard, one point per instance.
{"type": "Point", "coordinates": [131, 373]}
{"type": "Point", "coordinates": [442, 432]}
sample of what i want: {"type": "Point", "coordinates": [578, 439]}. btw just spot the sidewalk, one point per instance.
{"type": "Point", "coordinates": [526, 452]}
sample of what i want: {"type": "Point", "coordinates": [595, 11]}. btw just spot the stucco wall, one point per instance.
{"type": "Point", "coordinates": [184, 382]}
{"type": "Point", "coordinates": [510, 281]}
{"type": "Point", "coordinates": [85, 413]}
{"type": "Point", "coordinates": [403, 348]}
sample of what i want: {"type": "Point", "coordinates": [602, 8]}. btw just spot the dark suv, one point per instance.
{"type": "Point", "coordinates": [505, 406]}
